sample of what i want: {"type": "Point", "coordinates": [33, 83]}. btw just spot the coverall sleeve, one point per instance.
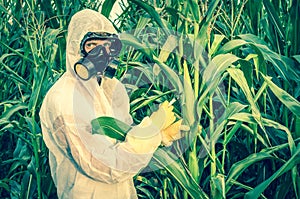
{"type": "Point", "coordinates": [96, 156]}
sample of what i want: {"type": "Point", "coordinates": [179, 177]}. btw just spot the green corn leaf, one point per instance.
{"type": "Point", "coordinates": [32, 125]}
{"type": "Point", "coordinates": [11, 73]}
{"type": "Point", "coordinates": [129, 39]}
{"type": "Point", "coordinates": [293, 28]}
{"type": "Point", "coordinates": [291, 103]}
{"type": "Point", "coordinates": [237, 168]}
{"type": "Point", "coordinates": [247, 68]}
{"type": "Point", "coordinates": [254, 7]}
{"type": "Point", "coordinates": [3, 9]}
{"type": "Point", "coordinates": [259, 61]}
{"type": "Point", "coordinates": [37, 87]}
{"type": "Point", "coordinates": [248, 118]}
{"type": "Point", "coordinates": [149, 100]}
{"type": "Point", "coordinates": [172, 75]}
{"type": "Point", "coordinates": [12, 110]}
{"type": "Point", "coordinates": [212, 76]}
{"type": "Point", "coordinates": [216, 44]}
{"type": "Point", "coordinates": [296, 181]}
{"type": "Point", "coordinates": [16, 52]}
{"type": "Point", "coordinates": [111, 127]}
{"type": "Point", "coordinates": [194, 8]}
{"type": "Point", "coordinates": [290, 164]}
{"type": "Point", "coordinates": [276, 125]}
{"type": "Point", "coordinates": [240, 79]}
{"type": "Point", "coordinates": [153, 13]}
{"type": "Point", "coordinates": [215, 69]}
{"type": "Point", "coordinates": [168, 47]}
{"type": "Point", "coordinates": [218, 65]}
{"type": "Point", "coordinates": [231, 45]}
{"type": "Point", "coordinates": [218, 183]}
{"type": "Point", "coordinates": [168, 161]}
{"type": "Point", "coordinates": [283, 65]}
{"type": "Point", "coordinates": [189, 98]}
{"type": "Point", "coordinates": [280, 62]}
{"type": "Point", "coordinates": [145, 191]}
{"type": "Point", "coordinates": [274, 18]}
{"type": "Point", "coordinates": [231, 109]}
{"type": "Point", "coordinates": [107, 7]}
{"type": "Point", "coordinates": [202, 37]}
{"type": "Point", "coordinates": [50, 46]}
{"type": "Point", "coordinates": [147, 182]}
{"type": "Point", "coordinates": [141, 25]}
{"type": "Point", "coordinates": [4, 185]}
{"type": "Point", "coordinates": [297, 58]}
{"type": "Point", "coordinates": [143, 68]}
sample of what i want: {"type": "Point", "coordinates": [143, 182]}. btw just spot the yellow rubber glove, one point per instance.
{"type": "Point", "coordinates": [173, 132]}
{"type": "Point", "coordinates": [164, 116]}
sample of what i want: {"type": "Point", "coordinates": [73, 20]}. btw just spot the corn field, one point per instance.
{"type": "Point", "coordinates": [233, 67]}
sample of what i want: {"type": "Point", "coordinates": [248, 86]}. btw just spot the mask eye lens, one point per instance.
{"type": "Point", "coordinates": [115, 47]}
{"type": "Point", "coordinates": [107, 44]}
{"type": "Point", "coordinates": [89, 46]}
{"type": "Point", "coordinates": [115, 44]}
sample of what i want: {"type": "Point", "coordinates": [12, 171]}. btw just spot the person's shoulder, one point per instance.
{"type": "Point", "coordinates": [61, 87]}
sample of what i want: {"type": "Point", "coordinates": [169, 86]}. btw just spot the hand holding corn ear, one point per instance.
{"type": "Point", "coordinates": [173, 132]}
{"type": "Point", "coordinates": [164, 116]}
{"type": "Point", "coordinates": [164, 119]}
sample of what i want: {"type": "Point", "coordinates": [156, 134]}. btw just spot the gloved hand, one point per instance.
{"type": "Point", "coordinates": [173, 132]}
{"type": "Point", "coordinates": [164, 116]}
{"type": "Point", "coordinates": [146, 136]}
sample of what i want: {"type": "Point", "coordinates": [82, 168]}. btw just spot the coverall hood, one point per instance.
{"type": "Point", "coordinates": [81, 23]}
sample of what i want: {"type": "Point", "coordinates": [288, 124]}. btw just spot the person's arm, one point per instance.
{"type": "Point", "coordinates": [97, 157]}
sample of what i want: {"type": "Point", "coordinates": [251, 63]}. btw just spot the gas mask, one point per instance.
{"type": "Point", "coordinates": [98, 62]}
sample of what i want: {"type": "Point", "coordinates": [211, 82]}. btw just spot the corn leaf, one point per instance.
{"type": "Point", "coordinates": [131, 40]}
{"type": "Point", "coordinates": [194, 8]}
{"type": "Point", "coordinates": [246, 117]}
{"type": "Point", "coordinates": [202, 37]}
{"type": "Point", "coordinates": [189, 98]}
{"type": "Point", "coordinates": [290, 164]}
{"type": "Point", "coordinates": [259, 61]}
{"type": "Point", "coordinates": [214, 70]}
{"type": "Point", "coordinates": [274, 18]}
{"type": "Point", "coordinates": [107, 7]}
{"type": "Point", "coordinates": [168, 161]}
{"type": "Point", "coordinates": [152, 12]}
{"type": "Point", "coordinates": [11, 73]}
{"type": "Point", "coordinates": [12, 110]}
{"type": "Point", "coordinates": [291, 103]}
{"type": "Point", "coordinates": [110, 127]}
{"type": "Point", "coordinates": [237, 168]}
{"type": "Point", "coordinates": [240, 79]}
{"type": "Point", "coordinates": [216, 43]}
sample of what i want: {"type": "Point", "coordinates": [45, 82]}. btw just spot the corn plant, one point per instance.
{"type": "Point", "coordinates": [228, 100]}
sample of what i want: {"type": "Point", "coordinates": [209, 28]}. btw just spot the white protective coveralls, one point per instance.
{"type": "Point", "coordinates": [85, 165]}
